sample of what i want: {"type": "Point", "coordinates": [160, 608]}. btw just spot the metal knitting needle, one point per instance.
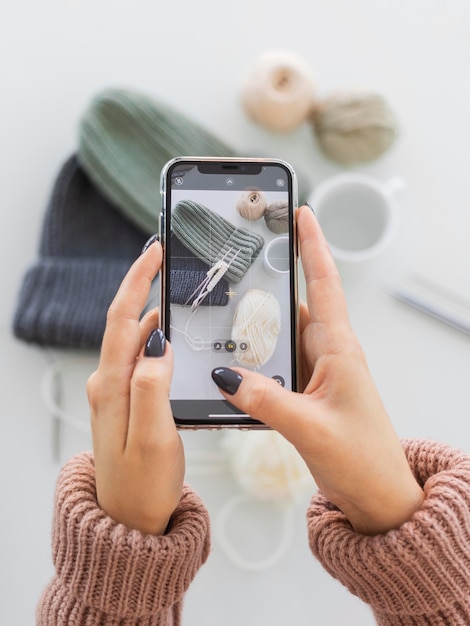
{"type": "Point", "coordinates": [214, 275]}
{"type": "Point", "coordinates": [206, 280]}
{"type": "Point", "coordinates": [438, 313]}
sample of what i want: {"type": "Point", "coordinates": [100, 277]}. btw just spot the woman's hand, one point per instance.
{"type": "Point", "coordinates": [138, 453]}
{"type": "Point", "coordinates": [338, 424]}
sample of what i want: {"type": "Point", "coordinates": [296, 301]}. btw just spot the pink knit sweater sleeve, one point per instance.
{"type": "Point", "coordinates": [108, 574]}
{"type": "Point", "coordinates": [418, 574]}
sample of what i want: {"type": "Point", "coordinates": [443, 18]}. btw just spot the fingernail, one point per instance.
{"type": "Point", "coordinates": [156, 342]}
{"type": "Point", "coordinates": [226, 379]}
{"type": "Point", "coordinates": [149, 242]}
{"type": "Point", "coordinates": [311, 208]}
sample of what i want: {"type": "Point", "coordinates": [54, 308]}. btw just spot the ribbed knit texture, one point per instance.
{"type": "Point", "coordinates": [187, 272]}
{"type": "Point", "coordinates": [210, 237]}
{"type": "Point", "coordinates": [419, 574]}
{"type": "Point", "coordinates": [85, 250]}
{"type": "Point", "coordinates": [126, 137]}
{"type": "Point", "coordinates": [107, 574]}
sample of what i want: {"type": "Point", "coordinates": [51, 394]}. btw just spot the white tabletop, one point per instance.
{"type": "Point", "coordinates": [54, 57]}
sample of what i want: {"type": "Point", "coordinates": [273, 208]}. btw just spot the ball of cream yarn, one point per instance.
{"type": "Point", "coordinates": [265, 465]}
{"type": "Point", "coordinates": [278, 91]}
{"type": "Point", "coordinates": [256, 324]}
{"type": "Point", "coordinates": [252, 204]}
{"type": "Point", "coordinates": [354, 128]}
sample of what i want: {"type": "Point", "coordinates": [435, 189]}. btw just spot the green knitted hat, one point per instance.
{"type": "Point", "coordinates": [211, 237]}
{"type": "Point", "coordinates": [126, 137]}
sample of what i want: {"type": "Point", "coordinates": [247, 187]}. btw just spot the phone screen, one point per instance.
{"type": "Point", "coordinates": [229, 280]}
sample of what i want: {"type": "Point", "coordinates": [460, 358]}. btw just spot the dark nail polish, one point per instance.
{"type": "Point", "coordinates": [311, 208]}
{"type": "Point", "coordinates": [155, 345]}
{"type": "Point", "coordinates": [226, 379]}
{"type": "Point", "coordinates": [149, 242]}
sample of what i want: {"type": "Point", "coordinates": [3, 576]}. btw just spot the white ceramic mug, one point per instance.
{"type": "Point", "coordinates": [357, 213]}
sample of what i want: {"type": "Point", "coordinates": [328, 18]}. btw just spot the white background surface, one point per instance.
{"type": "Point", "coordinates": [54, 56]}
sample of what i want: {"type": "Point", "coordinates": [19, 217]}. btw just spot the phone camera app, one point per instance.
{"type": "Point", "coordinates": [229, 346]}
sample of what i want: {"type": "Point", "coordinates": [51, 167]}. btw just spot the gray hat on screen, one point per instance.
{"type": "Point", "coordinates": [187, 272]}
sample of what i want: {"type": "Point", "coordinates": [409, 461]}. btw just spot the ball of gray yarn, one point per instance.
{"type": "Point", "coordinates": [354, 128]}
{"type": "Point", "coordinates": [277, 217]}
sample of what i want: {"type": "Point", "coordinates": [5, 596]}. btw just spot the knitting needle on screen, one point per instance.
{"type": "Point", "coordinates": [214, 275]}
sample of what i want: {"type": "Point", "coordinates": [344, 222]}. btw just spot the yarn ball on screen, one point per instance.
{"type": "Point", "coordinates": [255, 328]}
{"type": "Point", "coordinates": [278, 91]}
{"type": "Point", "coordinates": [276, 217]}
{"type": "Point", "coordinates": [266, 465]}
{"type": "Point", "coordinates": [354, 128]}
{"type": "Point", "coordinates": [252, 204]}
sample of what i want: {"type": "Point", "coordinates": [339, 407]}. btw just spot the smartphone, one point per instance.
{"type": "Point", "coordinates": [228, 279]}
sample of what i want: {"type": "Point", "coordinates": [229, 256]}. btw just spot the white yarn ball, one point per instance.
{"type": "Point", "coordinates": [266, 465]}
{"type": "Point", "coordinates": [278, 91]}
{"type": "Point", "coordinates": [256, 327]}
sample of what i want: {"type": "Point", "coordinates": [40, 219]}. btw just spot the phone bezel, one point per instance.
{"type": "Point", "coordinates": [238, 421]}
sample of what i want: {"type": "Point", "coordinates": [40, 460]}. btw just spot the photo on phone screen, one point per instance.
{"type": "Point", "coordinates": [229, 279]}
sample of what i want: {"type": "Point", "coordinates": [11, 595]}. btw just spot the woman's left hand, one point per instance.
{"type": "Point", "coordinates": [139, 455]}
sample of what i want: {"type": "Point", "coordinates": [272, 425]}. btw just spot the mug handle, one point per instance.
{"type": "Point", "coordinates": [394, 185]}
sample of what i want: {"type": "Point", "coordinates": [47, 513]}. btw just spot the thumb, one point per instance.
{"type": "Point", "coordinates": [262, 398]}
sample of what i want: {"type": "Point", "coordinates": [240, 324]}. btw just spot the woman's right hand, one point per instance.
{"type": "Point", "coordinates": [338, 423]}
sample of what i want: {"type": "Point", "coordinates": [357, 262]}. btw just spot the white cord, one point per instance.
{"type": "Point", "coordinates": [195, 343]}
{"type": "Point", "coordinates": [51, 382]}
{"type": "Point", "coordinates": [199, 463]}
{"type": "Point", "coordinates": [285, 542]}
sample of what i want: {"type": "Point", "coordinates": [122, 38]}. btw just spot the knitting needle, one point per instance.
{"type": "Point", "coordinates": [424, 306]}
{"type": "Point", "coordinates": [209, 274]}
{"type": "Point", "coordinates": [214, 275]}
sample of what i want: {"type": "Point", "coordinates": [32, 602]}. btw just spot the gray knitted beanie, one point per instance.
{"type": "Point", "coordinates": [211, 237]}
{"type": "Point", "coordinates": [126, 137]}
{"type": "Point", "coordinates": [86, 249]}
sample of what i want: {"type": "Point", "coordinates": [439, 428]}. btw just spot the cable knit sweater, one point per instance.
{"type": "Point", "coordinates": [417, 575]}
{"type": "Point", "coordinates": [109, 575]}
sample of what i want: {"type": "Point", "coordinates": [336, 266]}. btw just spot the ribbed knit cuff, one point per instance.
{"type": "Point", "coordinates": [63, 301]}
{"type": "Point", "coordinates": [419, 573]}
{"type": "Point", "coordinates": [106, 573]}
{"type": "Point", "coordinates": [126, 137]}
